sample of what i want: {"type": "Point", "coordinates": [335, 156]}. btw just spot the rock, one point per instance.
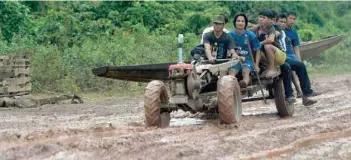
{"type": "Point", "coordinates": [9, 102]}
{"type": "Point", "coordinates": [2, 102]}
{"type": "Point", "coordinates": [25, 103]}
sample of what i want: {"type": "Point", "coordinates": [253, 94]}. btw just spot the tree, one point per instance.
{"type": "Point", "coordinates": [14, 19]}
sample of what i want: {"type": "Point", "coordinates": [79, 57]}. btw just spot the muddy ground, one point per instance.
{"type": "Point", "coordinates": [114, 129]}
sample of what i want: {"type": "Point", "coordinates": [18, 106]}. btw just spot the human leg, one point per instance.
{"type": "Point", "coordinates": [305, 83]}
{"type": "Point", "coordinates": [296, 83]}
{"type": "Point", "coordinates": [286, 71]}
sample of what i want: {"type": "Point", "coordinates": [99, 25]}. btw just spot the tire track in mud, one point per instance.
{"type": "Point", "coordinates": [149, 136]}
{"type": "Point", "coordinates": [259, 135]}
{"type": "Point", "coordinates": [301, 143]}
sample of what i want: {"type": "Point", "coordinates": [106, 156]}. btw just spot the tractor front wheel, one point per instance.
{"type": "Point", "coordinates": [156, 95]}
{"type": "Point", "coordinates": [229, 100]}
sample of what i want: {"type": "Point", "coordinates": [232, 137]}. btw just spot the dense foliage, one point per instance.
{"type": "Point", "coordinates": [65, 40]}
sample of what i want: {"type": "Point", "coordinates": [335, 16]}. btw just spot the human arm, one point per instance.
{"type": "Point", "coordinates": [208, 48]}
{"type": "Point", "coordinates": [208, 51]}
{"type": "Point", "coordinates": [257, 62]}
{"type": "Point", "coordinates": [297, 52]}
{"type": "Point", "coordinates": [271, 36]}
{"type": "Point", "coordinates": [234, 54]}
{"type": "Point", "coordinates": [296, 44]}
{"type": "Point", "coordinates": [231, 47]}
{"type": "Point", "coordinates": [206, 30]}
{"type": "Point", "coordinates": [268, 40]}
{"type": "Point", "coordinates": [255, 48]}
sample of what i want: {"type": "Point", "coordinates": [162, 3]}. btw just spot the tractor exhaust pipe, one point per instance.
{"type": "Point", "coordinates": [180, 49]}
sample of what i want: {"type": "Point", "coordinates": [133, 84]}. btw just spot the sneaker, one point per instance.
{"type": "Point", "coordinates": [299, 95]}
{"type": "Point", "coordinates": [290, 100]}
{"type": "Point", "coordinates": [307, 102]}
{"type": "Point", "coordinates": [313, 94]}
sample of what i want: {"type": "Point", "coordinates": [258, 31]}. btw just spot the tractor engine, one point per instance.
{"type": "Point", "coordinates": [184, 84]}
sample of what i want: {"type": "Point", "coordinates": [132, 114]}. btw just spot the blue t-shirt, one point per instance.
{"type": "Point", "coordinates": [242, 44]}
{"type": "Point", "coordinates": [292, 40]}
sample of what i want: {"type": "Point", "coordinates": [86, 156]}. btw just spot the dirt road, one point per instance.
{"type": "Point", "coordinates": [114, 129]}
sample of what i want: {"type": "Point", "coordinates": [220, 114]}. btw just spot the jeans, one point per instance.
{"type": "Point", "coordinates": [286, 71]}
{"type": "Point", "coordinates": [301, 71]}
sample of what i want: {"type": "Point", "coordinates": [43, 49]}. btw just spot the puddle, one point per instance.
{"type": "Point", "coordinates": [263, 110]}
{"type": "Point", "coordinates": [186, 121]}
{"type": "Point", "coordinates": [257, 113]}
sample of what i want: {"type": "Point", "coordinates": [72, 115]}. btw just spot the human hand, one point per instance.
{"type": "Point", "coordinates": [242, 59]}
{"type": "Point", "coordinates": [257, 69]}
{"type": "Point", "coordinates": [235, 56]}
{"type": "Point", "coordinates": [212, 59]}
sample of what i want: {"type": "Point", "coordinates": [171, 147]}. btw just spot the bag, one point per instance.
{"type": "Point", "coordinates": [198, 52]}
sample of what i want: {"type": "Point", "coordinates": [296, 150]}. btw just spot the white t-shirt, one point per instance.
{"type": "Point", "coordinates": [210, 29]}
{"type": "Point", "coordinates": [282, 41]}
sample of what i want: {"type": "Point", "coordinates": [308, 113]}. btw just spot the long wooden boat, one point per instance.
{"type": "Point", "coordinates": [313, 49]}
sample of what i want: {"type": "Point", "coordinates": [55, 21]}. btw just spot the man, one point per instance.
{"type": "Point", "coordinates": [298, 67]}
{"type": "Point", "coordinates": [291, 33]}
{"type": "Point", "coordinates": [243, 40]}
{"type": "Point", "coordinates": [210, 29]}
{"type": "Point", "coordinates": [217, 43]}
{"type": "Point", "coordinates": [266, 35]}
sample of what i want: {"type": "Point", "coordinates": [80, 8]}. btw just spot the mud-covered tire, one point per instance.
{"type": "Point", "coordinates": [284, 108]}
{"type": "Point", "coordinates": [156, 95]}
{"type": "Point", "coordinates": [229, 100]}
{"type": "Point", "coordinates": [270, 91]}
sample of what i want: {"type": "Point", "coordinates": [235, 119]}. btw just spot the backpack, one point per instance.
{"type": "Point", "coordinates": [198, 52]}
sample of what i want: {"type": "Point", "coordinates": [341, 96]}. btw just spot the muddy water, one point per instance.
{"type": "Point", "coordinates": [186, 121]}
{"type": "Point", "coordinates": [115, 130]}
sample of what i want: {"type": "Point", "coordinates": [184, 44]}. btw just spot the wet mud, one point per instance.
{"type": "Point", "coordinates": [114, 129]}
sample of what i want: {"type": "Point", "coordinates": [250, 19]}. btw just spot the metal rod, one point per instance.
{"type": "Point", "coordinates": [208, 94]}
{"type": "Point", "coordinates": [217, 60]}
{"type": "Point", "coordinates": [258, 77]}
{"type": "Point", "coordinates": [255, 99]}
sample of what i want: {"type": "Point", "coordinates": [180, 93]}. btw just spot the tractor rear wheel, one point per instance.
{"type": "Point", "coordinates": [284, 108]}
{"type": "Point", "coordinates": [229, 100]}
{"type": "Point", "coordinates": [156, 95]}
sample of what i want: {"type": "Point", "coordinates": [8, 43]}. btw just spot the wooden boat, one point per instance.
{"type": "Point", "coordinates": [313, 49]}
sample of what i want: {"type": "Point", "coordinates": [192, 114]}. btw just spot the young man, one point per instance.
{"type": "Point", "coordinates": [269, 45]}
{"type": "Point", "coordinates": [210, 29]}
{"type": "Point", "coordinates": [243, 40]}
{"type": "Point", "coordinates": [285, 68]}
{"type": "Point", "coordinates": [298, 67]}
{"type": "Point", "coordinates": [217, 43]}
{"type": "Point", "coordinates": [291, 33]}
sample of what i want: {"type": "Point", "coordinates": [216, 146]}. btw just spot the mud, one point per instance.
{"type": "Point", "coordinates": [114, 129]}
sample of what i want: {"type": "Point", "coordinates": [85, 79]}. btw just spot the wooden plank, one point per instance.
{"type": "Point", "coordinates": [3, 90]}
{"type": "Point", "coordinates": [4, 75]}
{"type": "Point", "coordinates": [18, 66]}
{"type": "Point", "coordinates": [17, 88]}
{"type": "Point", "coordinates": [15, 81]}
{"type": "Point", "coordinates": [4, 62]}
{"type": "Point", "coordinates": [4, 57]}
{"type": "Point", "coordinates": [24, 71]}
{"type": "Point", "coordinates": [20, 62]}
{"type": "Point", "coordinates": [6, 69]}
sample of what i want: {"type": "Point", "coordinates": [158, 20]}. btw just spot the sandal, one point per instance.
{"type": "Point", "coordinates": [271, 73]}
